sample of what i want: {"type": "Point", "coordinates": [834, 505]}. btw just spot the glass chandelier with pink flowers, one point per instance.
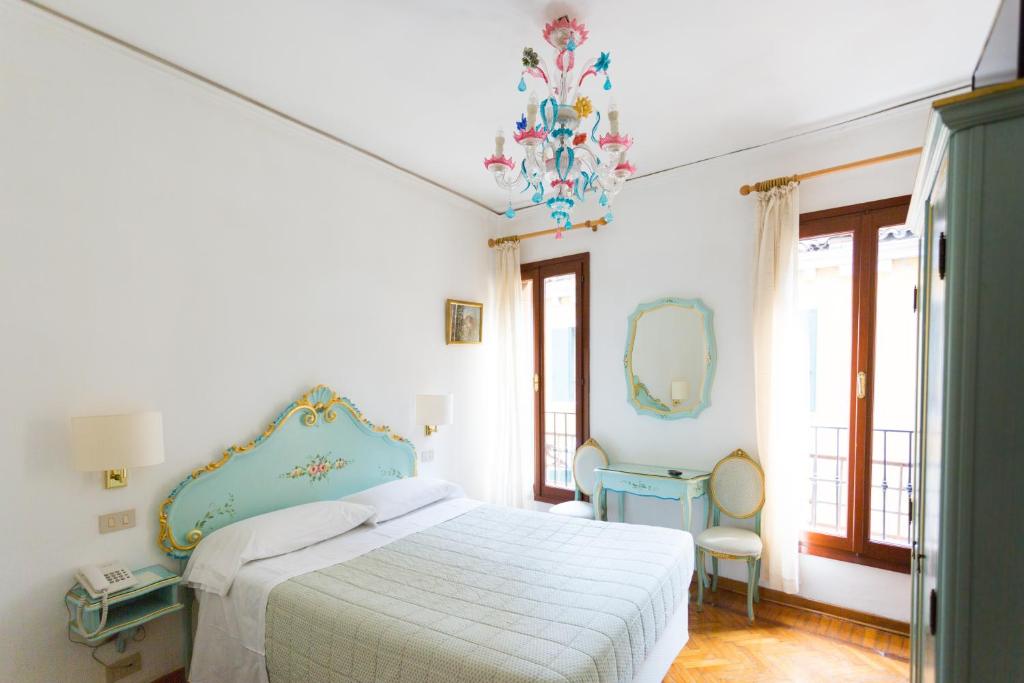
{"type": "Point", "coordinates": [564, 160]}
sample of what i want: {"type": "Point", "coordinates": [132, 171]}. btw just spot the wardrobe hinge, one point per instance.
{"type": "Point", "coordinates": [933, 609]}
{"type": "Point", "coordinates": [942, 256]}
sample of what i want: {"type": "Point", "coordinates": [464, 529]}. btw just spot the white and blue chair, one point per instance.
{"type": "Point", "coordinates": [588, 457]}
{"type": "Point", "coordinates": [736, 489]}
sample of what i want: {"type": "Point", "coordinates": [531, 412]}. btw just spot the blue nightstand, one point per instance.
{"type": "Point", "coordinates": [157, 593]}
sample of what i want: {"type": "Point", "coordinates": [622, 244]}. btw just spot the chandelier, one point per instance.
{"type": "Point", "coordinates": [561, 164]}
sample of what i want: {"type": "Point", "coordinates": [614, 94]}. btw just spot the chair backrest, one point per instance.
{"type": "Point", "coordinates": [588, 457]}
{"type": "Point", "coordinates": [737, 486]}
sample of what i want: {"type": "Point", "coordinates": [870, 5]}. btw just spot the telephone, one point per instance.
{"type": "Point", "coordinates": [100, 582]}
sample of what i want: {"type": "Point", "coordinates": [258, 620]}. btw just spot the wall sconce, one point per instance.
{"type": "Point", "coordinates": [680, 391]}
{"type": "Point", "coordinates": [433, 410]}
{"type": "Point", "coordinates": [113, 443]}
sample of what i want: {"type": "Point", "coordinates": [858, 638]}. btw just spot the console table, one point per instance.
{"type": "Point", "coordinates": [647, 480]}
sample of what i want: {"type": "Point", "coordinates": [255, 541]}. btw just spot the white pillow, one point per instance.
{"type": "Point", "coordinates": [219, 556]}
{"type": "Point", "coordinates": [401, 496]}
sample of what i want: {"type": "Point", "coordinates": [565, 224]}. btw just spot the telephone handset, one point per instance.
{"type": "Point", "coordinates": [100, 582]}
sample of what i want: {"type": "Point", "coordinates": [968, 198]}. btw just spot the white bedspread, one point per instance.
{"type": "Point", "coordinates": [231, 634]}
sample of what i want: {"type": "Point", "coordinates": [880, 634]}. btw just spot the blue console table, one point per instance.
{"type": "Point", "coordinates": [651, 481]}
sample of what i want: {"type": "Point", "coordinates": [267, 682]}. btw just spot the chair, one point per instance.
{"type": "Point", "coordinates": [588, 457]}
{"type": "Point", "coordinates": [737, 489]}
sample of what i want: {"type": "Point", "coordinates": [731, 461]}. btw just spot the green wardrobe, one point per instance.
{"type": "Point", "coordinates": [968, 557]}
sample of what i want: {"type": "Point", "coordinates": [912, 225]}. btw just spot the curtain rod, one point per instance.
{"type": "Point", "coordinates": [776, 182]}
{"type": "Point", "coordinates": [593, 225]}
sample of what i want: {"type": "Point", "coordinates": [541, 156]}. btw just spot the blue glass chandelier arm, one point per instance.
{"type": "Point", "coordinates": [563, 169]}
{"type": "Point", "coordinates": [593, 131]}
{"type": "Point", "coordinates": [559, 153]}
{"type": "Point", "coordinates": [547, 120]}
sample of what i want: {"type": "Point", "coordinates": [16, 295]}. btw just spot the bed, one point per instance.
{"type": "Point", "coordinates": [456, 591]}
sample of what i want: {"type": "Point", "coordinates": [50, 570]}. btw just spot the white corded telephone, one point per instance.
{"type": "Point", "coordinates": [100, 582]}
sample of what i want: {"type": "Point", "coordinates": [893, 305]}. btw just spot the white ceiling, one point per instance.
{"type": "Point", "coordinates": [425, 84]}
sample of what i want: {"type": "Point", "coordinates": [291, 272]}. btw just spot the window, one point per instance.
{"type": "Point", "coordinates": [857, 292]}
{"type": "Point", "coordinates": [555, 295]}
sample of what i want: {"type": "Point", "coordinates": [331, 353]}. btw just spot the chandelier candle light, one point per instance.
{"type": "Point", "coordinates": [560, 166]}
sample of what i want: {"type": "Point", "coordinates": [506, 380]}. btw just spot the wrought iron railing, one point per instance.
{"type": "Point", "coordinates": [559, 447]}
{"type": "Point", "coordinates": [891, 482]}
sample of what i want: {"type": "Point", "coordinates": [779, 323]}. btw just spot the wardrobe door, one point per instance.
{"type": "Point", "coordinates": [933, 323]}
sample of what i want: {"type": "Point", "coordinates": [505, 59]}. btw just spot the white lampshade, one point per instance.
{"type": "Point", "coordinates": [434, 409]}
{"type": "Point", "coordinates": [112, 442]}
{"type": "Point", "coordinates": [680, 390]}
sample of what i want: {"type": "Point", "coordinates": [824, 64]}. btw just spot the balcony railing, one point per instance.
{"type": "Point", "coordinates": [891, 482]}
{"type": "Point", "coordinates": [559, 447]}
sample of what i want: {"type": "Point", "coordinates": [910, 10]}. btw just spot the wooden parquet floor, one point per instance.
{"type": "Point", "coordinates": [784, 645]}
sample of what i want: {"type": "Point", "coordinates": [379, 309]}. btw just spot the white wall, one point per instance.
{"type": "Point", "coordinates": [689, 233]}
{"type": "Point", "coordinates": [167, 247]}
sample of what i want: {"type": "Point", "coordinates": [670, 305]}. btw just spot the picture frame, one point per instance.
{"type": "Point", "coordinates": [463, 322]}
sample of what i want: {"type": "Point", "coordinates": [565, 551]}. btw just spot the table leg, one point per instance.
{"type": "Point", "coordinates": [622, 506]}
{"type": "Point", "coordinates": [598, 499]}
{"type": "Point", "coordinates": [189, 600]}
{"type": "Point", "coordinates": [687, 503]}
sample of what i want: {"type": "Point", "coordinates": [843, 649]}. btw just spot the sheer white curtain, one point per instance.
{"type": "Point", "coordinates": [780, 383]}
{"type": "Point", "coordinates": [511, 478]}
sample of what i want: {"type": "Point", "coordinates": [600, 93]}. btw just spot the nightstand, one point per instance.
{"type": "Point", "coordinates": [157, 593]}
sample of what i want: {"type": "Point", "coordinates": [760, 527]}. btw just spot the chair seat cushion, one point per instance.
{"type": "Point", "coordinates": [730, 540]}
{"type": "Point", "coordinates": [574, 508]}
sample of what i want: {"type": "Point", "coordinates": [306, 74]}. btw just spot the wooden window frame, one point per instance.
{"type": "Point", "coordinates": [578, 264]}
{"type": "Point", "coordinates": [864, 221]}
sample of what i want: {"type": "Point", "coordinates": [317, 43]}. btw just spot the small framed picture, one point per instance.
{"type": "Point", "coordinates": [464, 321]}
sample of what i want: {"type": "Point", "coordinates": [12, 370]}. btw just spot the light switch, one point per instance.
{"type": "Point", "coordinates": [117, 521]}
{"type": "Point", "coordinates": [427, 456]}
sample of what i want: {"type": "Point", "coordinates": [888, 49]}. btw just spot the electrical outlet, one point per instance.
{"type": "Point", "coordinates": [125, 666]}
{"type": "Point", "coordinates": [427, 456]}
{"type": "Point", "coordinates": [117, 521]}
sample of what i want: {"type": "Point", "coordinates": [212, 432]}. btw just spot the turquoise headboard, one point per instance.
{"type": "Point", "coordinates": [319, 448]}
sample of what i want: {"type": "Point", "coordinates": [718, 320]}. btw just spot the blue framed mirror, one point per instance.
{"type": "Point", "coordinates": [670, 358]}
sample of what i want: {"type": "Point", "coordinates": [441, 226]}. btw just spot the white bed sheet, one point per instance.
{"type": "Point", "coordinates": [231, 632]}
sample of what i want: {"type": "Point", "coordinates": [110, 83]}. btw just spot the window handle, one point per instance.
{"type": "Point", "coordinates": [862, 384]}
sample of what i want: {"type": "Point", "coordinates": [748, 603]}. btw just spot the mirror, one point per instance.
{"type": "Point", "coordinates": [670, 358]}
